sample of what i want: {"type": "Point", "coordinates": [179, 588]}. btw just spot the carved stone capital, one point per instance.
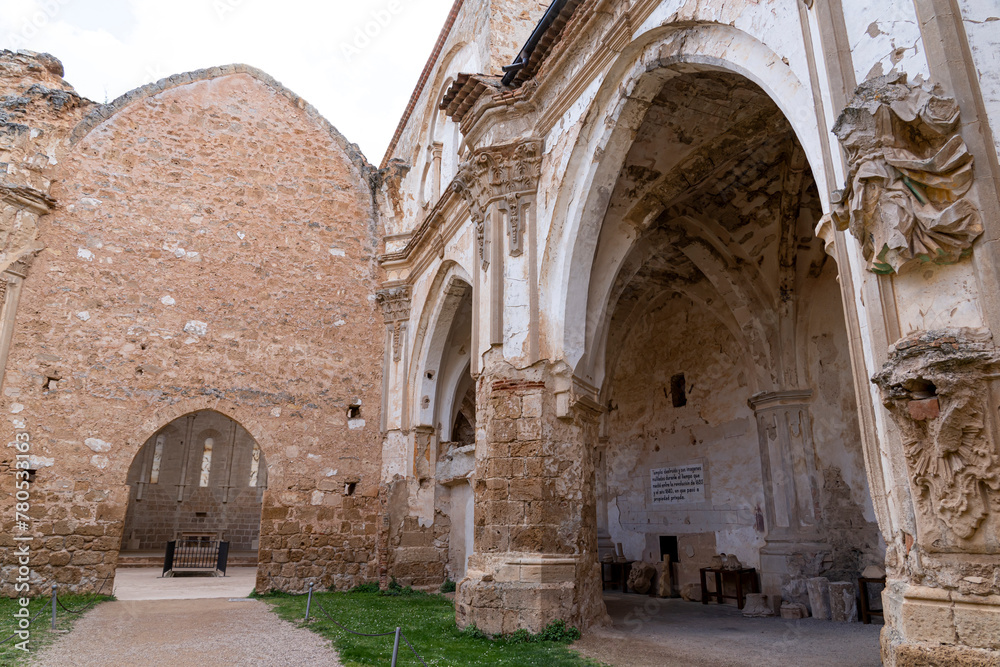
{"type": "Point", "coordinates": [937, 386]}
{"type": "Point", "coordinates": [505, 175]}
{"type": "Point", "coordinates": [395, 303]}
{"type": "Point", "coordinates": [907, 194]}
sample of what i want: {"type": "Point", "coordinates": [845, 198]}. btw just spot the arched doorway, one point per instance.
{"type": "Point", "coordinates": [431, 511]}
{"type": "Point", "coordinates": [455, 419]}
{"type": "Point", "coordinates": [721, 353]}
{"type": "Point", "coordinates": [200, 476]}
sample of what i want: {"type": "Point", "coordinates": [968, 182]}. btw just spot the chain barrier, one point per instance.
{"type": "Point", "coordinates": [89, 604]}
{"type": "Point", "coordinates": [54, 598]}
{"type": "Point", "coordinates": [344, 627]}
{"type": "Point", "coordinates": [414, 651]}
{"type": "Point", "coordinates": [30, 621]}
{"type": "Point", "coordinates": [326, 613]}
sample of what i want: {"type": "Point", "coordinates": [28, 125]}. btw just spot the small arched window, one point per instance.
{"type": "Point", "coordinates": [206, 462]}
{"type": "Point", "coordinates": [254, 464]}
{"type": "Point", "coordinates": [154, 472]}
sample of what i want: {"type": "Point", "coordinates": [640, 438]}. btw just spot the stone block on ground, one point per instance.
{"type": "Point", "coordinates": [756, 606]}
{"type": "Point", "coordinates": [843, 602]}
{"type": "Point", "coordinates": [819, 597]}
{"type": "Point", "coordinates": [794, 610]}
{"type": "Point", "coordinates": [691, 592]}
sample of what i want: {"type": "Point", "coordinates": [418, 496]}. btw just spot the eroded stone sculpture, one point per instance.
{"type": "Point", "coordinates": [504, 175]}
{"type": "Point", "coordinates": [395, 303]}
{"type": "Point", "coordinates": [935, 384]}
{"type": "Point", "coordinates": [819, 597]}
{"type": "Point", "coordinates": [843, 602]}
{"type": "Point", "coordinates": [640, 578]}
{"type": "Point", "coordinates": [665, 578]}
{"type": "Point", "coordinates": [910, 173]}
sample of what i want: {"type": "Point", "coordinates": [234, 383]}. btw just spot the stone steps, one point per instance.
{"type": "Point", "coordinates": [239, 559]}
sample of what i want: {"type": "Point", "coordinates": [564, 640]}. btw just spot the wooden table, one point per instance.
{"type": "Point", "coordinates": [866, 611]}
{"type": "Point", "coordinates": [619, 575]}
{"type": "Point", "coordinates": [748, 574]}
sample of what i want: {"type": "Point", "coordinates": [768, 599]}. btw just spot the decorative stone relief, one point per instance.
{"type": "Point", "coordinates": [906, 198]}
{"type": "Point", "coordinates": [936, 386]}
{"type": "Point", "coordinates": [395, 302]}
{"type": "Point", "coordinates": [505, 174]}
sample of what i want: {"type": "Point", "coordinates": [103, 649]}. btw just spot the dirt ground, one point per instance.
{"type": "Point", "coordinates": [655, 632]}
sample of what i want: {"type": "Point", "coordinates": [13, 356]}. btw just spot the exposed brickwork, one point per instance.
{"type": "Point", "coordinates": [535, 515]}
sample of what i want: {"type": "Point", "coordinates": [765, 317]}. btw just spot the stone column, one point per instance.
{"type": "Point", "coordinates": [499, 185]}
{"type": "Point", "coordinates": [912, 201]}
{"type": "Point", "coordinates": [535, 540]}
{"type": "Point", "coordinates": [795, 549]}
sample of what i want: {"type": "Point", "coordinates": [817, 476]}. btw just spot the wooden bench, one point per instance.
{"type": "Point", "coordinates": [195, 555]}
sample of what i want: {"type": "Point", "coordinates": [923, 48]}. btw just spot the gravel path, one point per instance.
{"type": "Point", "coordinates": [155, 633]}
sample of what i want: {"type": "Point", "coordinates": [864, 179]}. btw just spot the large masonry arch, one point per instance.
{"type": "Point", "coordinates": [202, 476]}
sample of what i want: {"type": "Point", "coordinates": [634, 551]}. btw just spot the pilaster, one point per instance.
{"type": "Point", "coordinates": [535, 539]}
{"type": "Point", "coordinates": [795, 548]}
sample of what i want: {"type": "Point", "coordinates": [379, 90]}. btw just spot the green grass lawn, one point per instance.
{"type": "Point", "coordinates": [41, 627]}
{"type": "Point", "coordinates": [428, 621]}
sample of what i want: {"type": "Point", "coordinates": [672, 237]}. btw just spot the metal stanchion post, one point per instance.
{"type": "Point", "coordinates": [309, 601]}
{"type": "Point", "coordinates": [395, 648]}
{"type": "Point", "coordinates": [53, 606]}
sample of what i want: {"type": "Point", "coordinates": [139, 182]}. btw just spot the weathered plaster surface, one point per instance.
{"type": "Point", "coordinates": [884, 36]}
{"type": "Point", "coordinates": [982, 27]}
{"type": "Point", "coordinates": [715, 427]}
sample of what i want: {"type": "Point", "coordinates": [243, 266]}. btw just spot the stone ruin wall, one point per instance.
{"type": "Point", "coordinates": [212, 248]}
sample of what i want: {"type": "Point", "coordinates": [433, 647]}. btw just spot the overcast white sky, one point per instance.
{"type": "Point", "coordinates": [357, 61]}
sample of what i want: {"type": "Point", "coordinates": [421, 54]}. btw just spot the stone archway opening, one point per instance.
{"type": "Point", "coordinates": [455, 429]}
{"type": "Point", "coordinates": [431, 533]}
{"type": "Point", "coordinates": [202, 476]}
{"type": "Point", "coordinates": [721, 353]}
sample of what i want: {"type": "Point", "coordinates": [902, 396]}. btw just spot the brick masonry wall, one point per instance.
{"type": "Point", "coordinates": [212, 248]}
{"type": "Point", "coordinates": [535, 520]}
